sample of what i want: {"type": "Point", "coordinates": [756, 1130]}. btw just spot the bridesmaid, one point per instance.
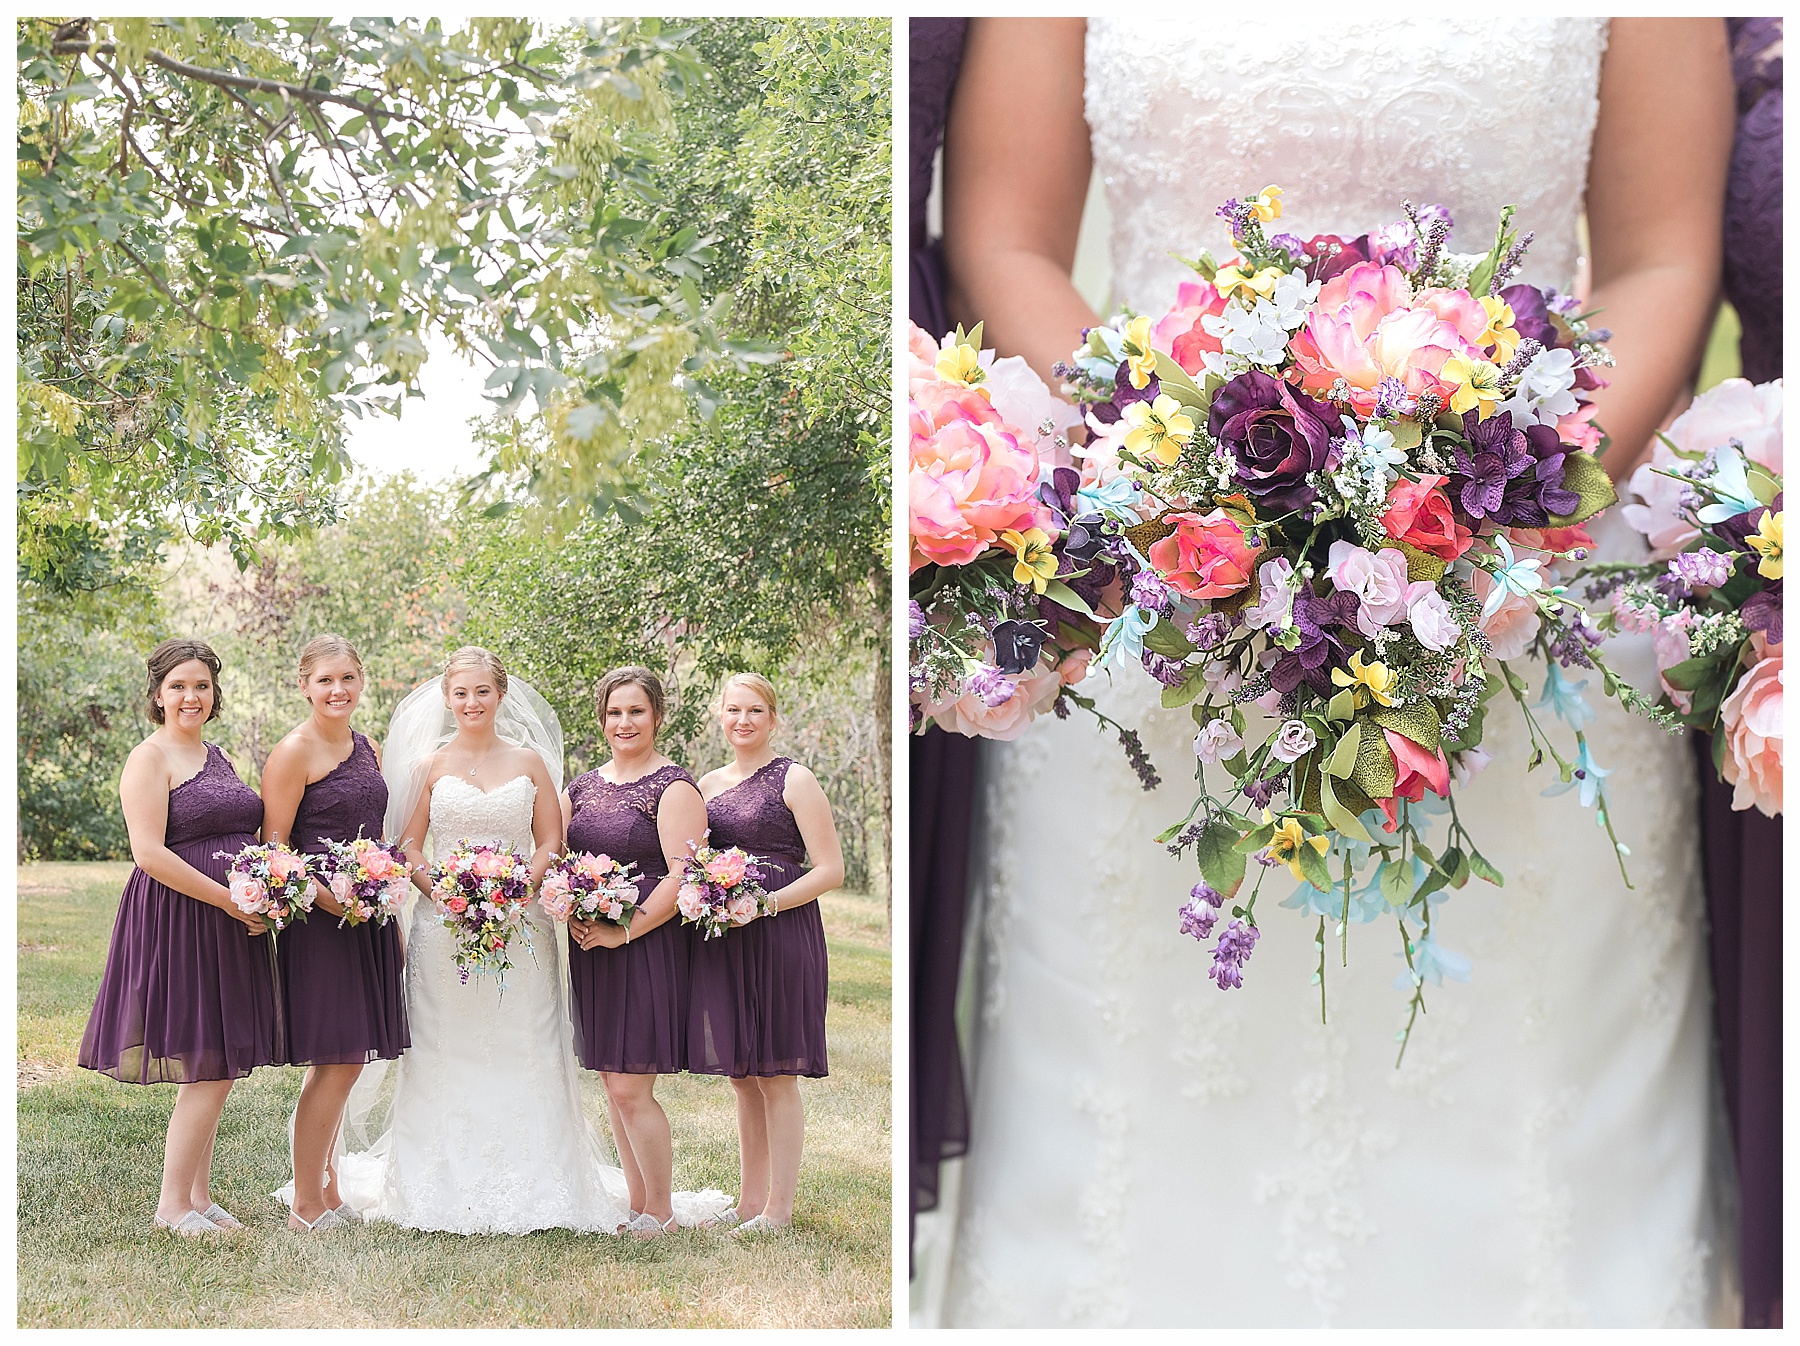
{"type": "Point", "coordinates": [341, 987]}
{"type": "Point", "coordinates": [188, 994]}
{"type": "Point", "coordinates": [629, 987]}
{"type": "Point", "coordinates": [758, 1008]}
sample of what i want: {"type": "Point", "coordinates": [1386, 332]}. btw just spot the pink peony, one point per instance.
{"type": "Point", "coordinates": [1750, 719]}
{"type": "Point", "coordinates": [284, 865]}
{"type": "Point", "coordinates": [726, 869]}
{"type": "Point", "coordinates": [1734, 409]}
{"type": "Point", "coordinates": [1207, 556]}
{"type": "Point", "coordinates": [1419, 514]}
{"type": "Point", "coordinates": [1363, 328]}
{"type": "Point", "coordinates": [1180, 334]}
{"type": "Point", "coordinates": [1458, 308]}
{"type": "Point", "coordinates": [378, 863]}
{"type": "Point", "coordinates": [490, 865]}
{"type": "Point", "coordinates": [972, 477]}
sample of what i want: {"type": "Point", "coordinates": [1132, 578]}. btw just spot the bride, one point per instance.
{"type": "Point", "coordinates": [1146, 1148]}
{"type": "Point", "coordinates": [485, 1133]}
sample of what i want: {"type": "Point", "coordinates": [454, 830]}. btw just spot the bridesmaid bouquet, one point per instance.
{"type": "Point", "coordinates": [1709, 502]}
{"type": "Point", "coordinates": [591, 887]}
{"type": "Point", "coordinates": [1334, 480]}
{"type": "Point", "coordinates": [369, 878]}
{"type": "Point", "coordinates": [271, 881]}
{"type": "Point", "coordinates": [482, 889]}
{"type": "Point", "coordinates": [721, 889]}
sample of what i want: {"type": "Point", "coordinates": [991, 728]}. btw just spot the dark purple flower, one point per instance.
{"type": "Point", "coordinates": [1209, 631]}
{"type": "Point", "coordinates": [1169, 672]}
{"type": "Point", "coordinates": [1570, 649]}
{"type": "Point", "coordinates": [1319, 651]}
{"type": "Point", "coordinates": [1259, 792]}
{"type": "Point", "coordinates": [1512, 476]}
{"type": "Point", "coordinates": [1124, 395]}
{"type": "Point", "coordinates": [1277, 435]}
{"type": "Point", "coordinates": [1233, 950]}
{"type": "Point", "coordinates": [1333, 255]}
{"type": "Point", "coordinates": [1085, 538]}
{"type": "Point", "coordinates": [1139, 759]}
{"type": "Point", "coordinates": [1531, 316]}
{"type": "Point", "coordinates": [1016, 647]}
{"type": "Point", "coordinates": [1762, 612]}
{"type": "Point", "coordinates": [1059, 492]}
{"type": "Point", "coordinates": [1740, 526]}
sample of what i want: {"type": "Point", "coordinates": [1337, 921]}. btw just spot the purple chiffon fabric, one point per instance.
{"type": "Point", "coordinates": [629, 1004]}
{"type": "Point", "coordinates": [758, 998]}
{"type": "Point", "coordinates": [1743, 849]}
{"type": "Point", "coordinates": [942, 765]}
{"type": "Point", "coordinates": [341, 987]}
{"type": "Point", "coordinates": [188, 993]}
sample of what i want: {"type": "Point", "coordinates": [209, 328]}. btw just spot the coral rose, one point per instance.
{"type": "Point", "coordinates": [1207, 556]}
{"type": "Point", "coordinates": [1419, 514]}
{"type": "Point", "coordinates": [1750, 719]}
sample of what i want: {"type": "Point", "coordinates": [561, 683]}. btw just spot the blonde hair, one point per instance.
{"type": "Point", "coordinates": [631, 675]}
{"type": "Point", "coordinates": [473, 656]}
{"type": "Point", "coordinates": [327, 647]}
{"type": "Point", "coordinates": [757, 683]}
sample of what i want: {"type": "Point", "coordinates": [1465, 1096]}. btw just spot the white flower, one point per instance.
{"type": "Point", "coordinates": [1217, 741]}
{"type": "Point", "coordinates": [1254, 334]}
{"type": "Point", "coordinates": [1294, 295]}
{"type": "Point", "coordinates": [1021, 397]}
{"type": "Point", "coordinates": [1221, 677]}
{"type": "Point", "coordinates": [1545, 391]}
{"type": "Point", "coordinates": [1293, 741]}
{"type": "Point", "coordinates": [1274, 606]}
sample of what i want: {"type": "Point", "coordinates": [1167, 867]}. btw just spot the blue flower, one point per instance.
{"type": "Point", "coordinates": [1564, 697]}
{"type": "Point", "coordinates": [1731, 485]}
{"type": "Point", "coordinates": [1119, 498]}
{"type": "Point", "coordinates": [1516, 576]}
{"type": "Point", "coordinates": [1125, 636]}
{"type": "Point", "coordinates": [1432, 963]}
{"type": "Point", "coordinates": [1587, 778]}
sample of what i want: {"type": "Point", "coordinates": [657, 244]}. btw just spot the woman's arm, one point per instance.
{"type": "Point", "coordinates": [144, 796]}
{"type": "Point", "coordinates": [546, 818]}
{"type": "Point", "coordinates": [812, 812]}
{"type": "Point", "coordinates": [283, 785]}
{"type": "Point", "coordinates": [412, 837]}
{"type": "Point", "coordinates": [1655, 202]}
{"type": "Point", "coordinates": [1016, 170]}
{"type": "Point", "coordinates": [680, 818]}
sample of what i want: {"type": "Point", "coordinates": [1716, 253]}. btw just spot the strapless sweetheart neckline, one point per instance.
{"type": "Point", "coordinates": [476, 788]}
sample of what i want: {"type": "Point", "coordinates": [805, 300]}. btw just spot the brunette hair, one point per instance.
{"type": "Point", "coordinates": [631, 675]}
{"type": "Point", "coordinates": [327, 647]}
{"type": "Point", "coordinates": [757, 683]}
{"type": "Point", "coordinates": [473, 656]}
{"type": "Point", "coordinates": [166, 658]}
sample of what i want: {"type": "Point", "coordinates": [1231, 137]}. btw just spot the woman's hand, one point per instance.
{"type": "Point", "coordinates": [323, 899]}
{"type": "Point", "coordinates": [607, 935]}
{"type": "Point", "coordinates": [255, 923]}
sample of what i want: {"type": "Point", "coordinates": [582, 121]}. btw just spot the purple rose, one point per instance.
{"type": "Point", "coordinates": [1531, 316]}
{"type": "Point", "coordinates": [1333, 255]}
{"type": "Point", "coordinates": [1276, 434]}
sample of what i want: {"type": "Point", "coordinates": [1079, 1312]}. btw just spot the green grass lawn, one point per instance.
{"type": "Point", "coordinates": [90, 1160]}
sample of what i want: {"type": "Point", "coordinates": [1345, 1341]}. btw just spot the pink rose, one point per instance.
{"type": "Point", "coordinates": [1414, 770]}
{"type": "Point", "coordinates": [1513, 625]}
{"type": "Point", "coordinates": [1432, 624]}
{"type": "Point", "coordinates": [971, 477]}
{"type": "Point", "coordinates": [1750, 719]}
{"type": "Point", "coordinates": [1180, 334]}
{"type": "Point", "coordinates": [1378, 579]}
{"type": "Point", "coordinates": [690, 900]}
{"type": "Point", "coordinates": [246, 892]}
{"type": "Point", "coordinates": [340, 889]}
{"type": "Point", "coordinates": [1466, 765]}
{"type": "Point", "coordinates": [972, 717]}
{"type": "Point", "coordinates": [1737, 409]}
{"type": "Point", "coordinates": [726, 868]}
{"type": "Point", "coordinates": [1419, 514]}
{"type": "Point", "coordinates": [741, 910]}
{"type": "Point", "coordinates": [1207, 556]}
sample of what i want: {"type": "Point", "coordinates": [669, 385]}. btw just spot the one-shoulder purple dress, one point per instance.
{"type": "Point", "coordinates": [629, 1004]}
{"type": "Point", "coordinates": [341, 987]}
{"type": "Point", "coordinates": [188, 993]}
{"type": "Point", "coordinates": [758, 1004]}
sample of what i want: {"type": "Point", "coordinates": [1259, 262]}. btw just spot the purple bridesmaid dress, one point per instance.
{"type": "Point", "coordinates": [341, 987]}
{"type": "Point", "coordinates": [758, 1004]}
{"type": "Point", "coordinates": [1743, 849]}
{"type": "Point", "coordinates": [188, 994]}
{"type": "Point", "coordinates": [629, 1004]}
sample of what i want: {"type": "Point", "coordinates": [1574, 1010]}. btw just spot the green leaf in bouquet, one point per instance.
{"type": "Point", "coordinates": [1504, 236]}
{"type": "Point", "coordinates": [1374, 773]}
{"type": "Point", "coordinates": [1396, 884]}
{"type": "Point", "coordinates": [1147, 534]}
{"type": "Point", "coordinates": [1583, 475]}
{"type": "Point", "coordinates": [1221, 862]}
{"type": "Point", "coordinates": [1483, 870]}
{"type": "Point", "coordinates": [1204, 265]}
{"type": "Point", "coordinates": [1339, 814]}
{"type": "Point", "coordinates": [1185, 691]}
{"type": "Point", "coordinates": [1417, 721]}
{"type": "Point", "coordinates": [1454, 865]}
{"type": "Point", "coordinates": [1343, 757]}
{"type": "Point", "coordinates": [1690, 673]}
{"type": "Point", "coordinates": [1237, 765]}
{"type": "Point", "coordinates": [1420, 565]}
{"type": "Point", "coordinates": [1178, 385]}
{"type": "Point", "coordinates": [1312, 866]}
{"type": "Point", "coordinates": [1407, 432]}
{"type": "Point", "coordinates": [1342, 706]}
{"type": "Point", "coordinates": [1058, 592]}
{"type": "Point", "coordinates": [1255, 839]}
{"type": "Point", "coordinates": [1165, 638]}
{"type": "Point", "coordinates": [1434, 880]}
{"type": "Point", "coordinates": [1764, 485]}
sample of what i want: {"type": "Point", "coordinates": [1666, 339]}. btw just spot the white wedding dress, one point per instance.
{"type": "Point", "coordinates": [1147, 1149]}
{"type": "Point", "coordinates": [486, 1133]}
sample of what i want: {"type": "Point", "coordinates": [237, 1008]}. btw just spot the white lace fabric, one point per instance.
{"type": "Point", "coordinates": [1149, 1150]}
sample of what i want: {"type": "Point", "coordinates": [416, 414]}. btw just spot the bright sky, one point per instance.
{"type": "Point", "coordinates": [431, 438]}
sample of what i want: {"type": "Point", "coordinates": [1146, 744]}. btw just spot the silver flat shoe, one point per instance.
{"type": "Point", "coordinates": [221, 1217]}
{"type": "Point", "coordinates": [191, 1225]}
{"type": "Point", "coordinates": [725, 1219]}
{"type": "Point", "coordinates": [329, 1220]}
{"type": "Point", "coordinates": [758, 1224]}
{"type": "Point", "coordinates": [350, 1214]}
{"type": "Point", "coordinates": [647, 1226]}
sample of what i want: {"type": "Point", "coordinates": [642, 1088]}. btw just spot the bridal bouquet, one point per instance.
{"type": "Point", "coordinates": [1710, 505]}
{"type": "Point", "coordinates": [721, 889]}
{"type": "Point", "coordinates": [591, 887]}
{"type": "Point", "coordinates": [271, 881]}
{"type": "Point", "coordinates": [482, 889]}
{"type": "Point", "coordinates": [369, 878]}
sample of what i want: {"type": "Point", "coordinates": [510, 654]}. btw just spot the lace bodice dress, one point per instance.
{"type": "Point", "coordinates": [1149, 1149]}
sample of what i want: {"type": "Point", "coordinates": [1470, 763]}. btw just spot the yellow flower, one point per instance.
{"type": "Point", "coordinates": [1370, 680]}
{"type": "Point", "coordinates": [1766, 542]}
{"type": "Point", "coordinates": [1267, 206]}
{"type": "Point", "coordinates": [1159, 429]}
{"type": "Point", "coordinates": [1477, 385]}
{"type": "Point", "coordinates": [1500, 338]}
{"type": "Point", "coordinates": [1234, 277]}
{"type": "Point", "coordinates": [1036, 565]}
{"type": "Point", "coordinates": [1286, 843]}
{"type": "Point", "coordinates": [960, 363]}
{"type": "Point", "coordinates": [1138, 352]}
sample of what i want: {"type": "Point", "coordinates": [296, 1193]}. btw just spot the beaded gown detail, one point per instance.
{"type": "Point", "coordinates": [188, 993]}
{"type": "Point", "coordinates": [629, 1004]}
{"type": "Point", "coordinates": [1148, 1149]}
{"type": "Point", "coordinates": [759, 991]}
{"type": "Point", "coordinates": [342, 986]}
